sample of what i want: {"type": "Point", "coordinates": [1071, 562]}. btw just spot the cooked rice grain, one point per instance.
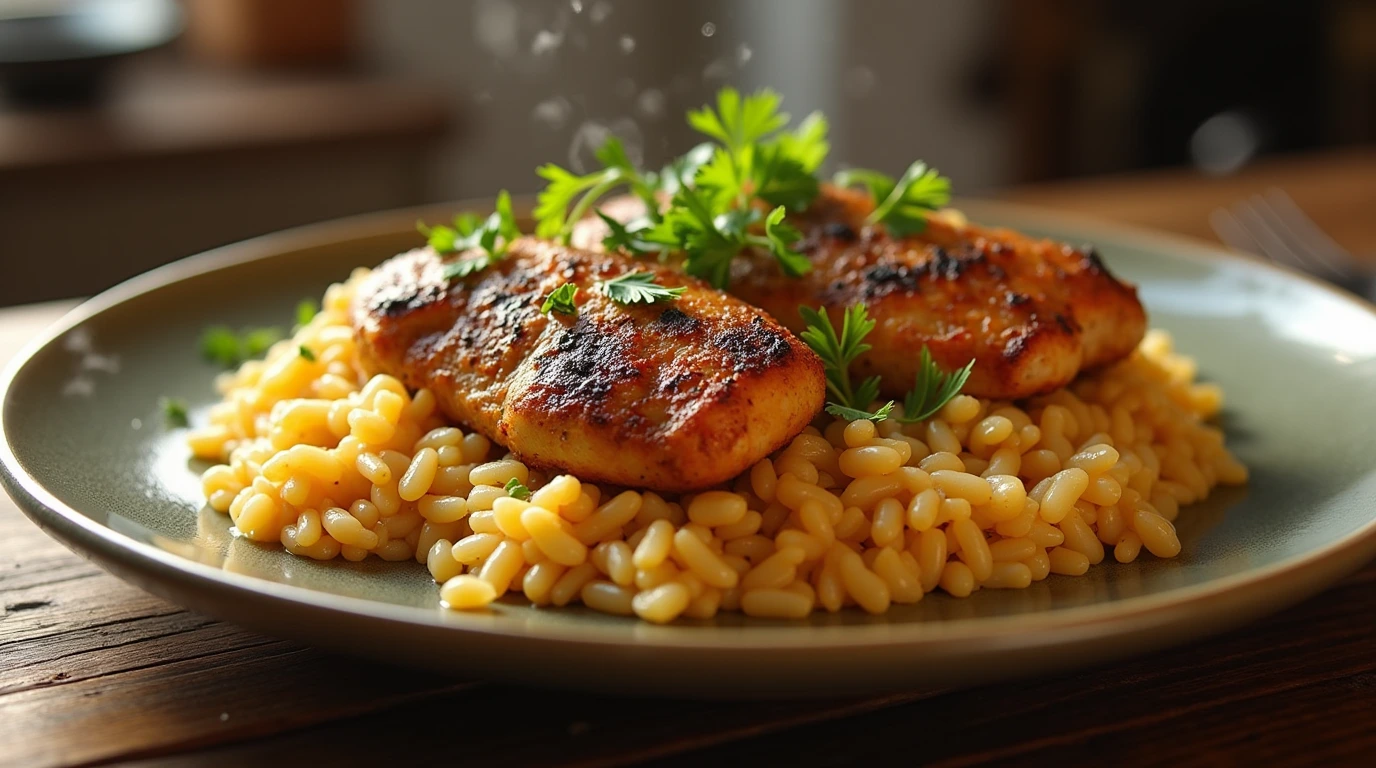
{"type": "Point", "coordinates": [333, 462]}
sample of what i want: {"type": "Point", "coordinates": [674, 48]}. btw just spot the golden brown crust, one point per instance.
{"type": "Point", "coordinates": [1031, 313]}
{"type": "Point", "coordinates": [674, 396]}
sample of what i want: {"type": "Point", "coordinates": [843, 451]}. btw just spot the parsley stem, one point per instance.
{"type": "Point", "coordinates": [845, 394]}
{"type": "Point", "coordinates": [597, 192]}
{"type": "Point", "coordinates": [742, 197]}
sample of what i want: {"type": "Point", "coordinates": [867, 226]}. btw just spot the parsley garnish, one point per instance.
{"type": "Point", "coordinates": [491, 237]}
{"type": "Point", "coordinates": [715, 191]}
{"type": "Point", "coordinates": [306, 311]}
{"type": "Point", "coordinates": [568, 197]}
{"type": "Point", "coordinates": [837, 353]}
{"type": "Point", "coordinates": [516, 490]}
{"type": "Point", "coordinates": [174, 412]}
{"type": "Point", "coordinates": [901, 205]}
{"type": "Point", "coordinates": [306, 352]}
{"type": "Point", "coordinates": [756, 157]}
{"type": "Point", "coordinates": [781, 238]}
{"type": "Point", "coordinates": [634, 287]}
{"type": "Point", "coordinates": [629, 237]}
{"type": "Point", "coordinates": [222, 345]}
{"type": "Point", "coordinates": [561, 300]}
{"type": "Point", "coordinates": [711, 239]}
{"type": "Point", "coordinates": [933, 388]}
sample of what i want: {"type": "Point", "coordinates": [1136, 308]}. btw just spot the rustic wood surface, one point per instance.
{"type": "Point", "coordinates": [93, 671]}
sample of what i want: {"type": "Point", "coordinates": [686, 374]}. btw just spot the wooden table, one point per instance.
{"type": "Point", "coordinates": [93, 671]}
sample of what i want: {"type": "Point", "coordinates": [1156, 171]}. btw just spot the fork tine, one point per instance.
{"type": "Point", "coordinates": [1295, 225]}
{"type": "Point", "coordinates": [1271, 244]}
{"type": "Point", "coordinates": [1233, 233]}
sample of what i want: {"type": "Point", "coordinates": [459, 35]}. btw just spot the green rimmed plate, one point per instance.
{"type": "Point", "coordinates": [86, 455]}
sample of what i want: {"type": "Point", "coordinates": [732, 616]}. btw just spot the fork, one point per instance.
{"type": "Point", "coordinates": [1272, 225]}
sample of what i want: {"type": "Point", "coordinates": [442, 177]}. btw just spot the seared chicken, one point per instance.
{"type": "Point", "coordinates": [672, 396]}
{"type": "Point", "coordinates": [1031, 313]}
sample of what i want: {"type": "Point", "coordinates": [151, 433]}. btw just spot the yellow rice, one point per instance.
{"type": "Point", "coordinates": [332, 462]}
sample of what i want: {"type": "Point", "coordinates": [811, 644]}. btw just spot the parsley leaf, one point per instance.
{"type": "Point", "coordinates": [568, 197]}
{"type": "Point", "coordinates": [901, 205]}
{"type": "Point", "coordinates": [492, 236]}
{"type": "Point", "coordinates": [629, 237]}
{"type": "Point", "coordinates": [720, 181]}
{"type": "Point", "coordinates": [516, 490]}
{"type": "Point", "coordinates": [712, 215]}
{"type": "Point", "coordinates": [634, 287]}
{"type": "Point", "coordinates": [220, 344]}
{"type": "Point", "coordinates": [933, 388]}
{"type": "Point", "coordinates": [683, 168]}
{"type": "Point", "coordinates": [714, 190]}
{"type": "Point", "coordinates": [755, 157]}
{"type": "Point", "coordinates": [561, 300]}
{"type": "Point", "coordinates": [709, 240]}
{"type": "Point", "coordinates": [784, 170]}
{"type": "Point", "coordinates": [458, 270]}
{"type": "Point", "coordinates": [306, 311]}
{"type": "Point", "coordinates": [780, 179]}
{"type": "Point", "coordinates": [711, 237]}
{"type": "Point", "coordinates": [837, 353]}
{"type": "Point", "coordinates": [174, 411]}
{"type": "Point", "coordinates": [737, 123]}
{"type": "Point", "coordinates": [612, 154]}
{"type": "Point", "coordinates": [807, 144]}
{"type": "Point", "coordinates": [852, 414]}
{"type": "Point", "coordinates": [306, 352]}
{"type": "Point", "coordinates": [781, 239]}
{"type": "Point", "coordinates": [257, 341]}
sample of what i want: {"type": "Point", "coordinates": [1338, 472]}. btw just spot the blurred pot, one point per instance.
{"type": "Point", "coordinates": [56, 52]}
{"type": "Point", "coordinates": [272, 33]}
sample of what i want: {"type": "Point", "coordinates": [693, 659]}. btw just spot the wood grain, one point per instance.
{"type": "Point", "coordinates": [1295, 689]}
{"type": "Point", "coordinates": [1337, 190]}
{"type": "Point", "coordinates": [93, 671]}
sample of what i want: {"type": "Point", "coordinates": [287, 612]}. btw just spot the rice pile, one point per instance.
{"type": "Point", "coordinates": [332, 463]}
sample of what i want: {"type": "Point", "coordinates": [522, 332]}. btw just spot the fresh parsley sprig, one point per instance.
{"type": "Point", "coordinates": [901, 205]}
{"type": "Point", "coordinates": [568, 197]}
{"type": "Point", "coordinates": [630, 237]}
{"type": "Point", "coordinates": [715, 191]}
{"type": "Point", "coordinates": [561, 300]}
{"type": "Point", "coordinates": [637, 287]}
{"type": "Point", "coordinates": [653, 188]}
{"type": "Point", "coordinates": [837, 353]}
{"type": "Point", "coordinates": [933, 388]}
{"type": "Point", "coordinates": [710, 237]}
{"type": "Point", "coordinates": [490, 237]}
{"type": "Point", "coordinates": [756, 157]}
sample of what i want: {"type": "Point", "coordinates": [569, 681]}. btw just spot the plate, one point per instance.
{"type": "Point", "coordinates": [86, 455]}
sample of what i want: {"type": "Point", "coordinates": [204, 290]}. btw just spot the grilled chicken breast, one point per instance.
{"type": "Point", "coordinates": [672, 396]}
{"type": "Point", "coordinates": [1032, 313]}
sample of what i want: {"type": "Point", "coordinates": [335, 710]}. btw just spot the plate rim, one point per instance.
{"type": "Point", "coordinates": [1254, 589]}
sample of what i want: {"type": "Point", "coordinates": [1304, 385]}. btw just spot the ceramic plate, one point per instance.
{"type": "Point", "coordinates": [86, 454]}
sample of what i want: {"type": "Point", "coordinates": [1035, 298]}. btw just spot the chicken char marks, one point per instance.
{"type": "Point", "coordinates": [672, 396]}
{"type": "Point", "coordinates": [1031, 313]}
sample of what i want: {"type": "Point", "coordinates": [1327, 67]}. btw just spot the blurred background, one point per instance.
{"type": "Point", "coordinates": [135, 132]}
